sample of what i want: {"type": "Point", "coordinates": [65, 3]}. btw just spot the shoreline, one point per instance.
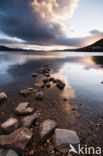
{"type": "Point", "coordinates": [53, 107]}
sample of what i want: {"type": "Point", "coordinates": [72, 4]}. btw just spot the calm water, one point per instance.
{"type": "Point", "coordinates": [82, 73]}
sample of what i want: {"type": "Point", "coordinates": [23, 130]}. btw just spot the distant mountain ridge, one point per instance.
{"type": "Point", "coordinates": [4, 48]}
{"type": "Point", "coordinates": [95, 47]}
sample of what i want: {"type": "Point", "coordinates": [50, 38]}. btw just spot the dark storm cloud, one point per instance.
{"type": "Point", "coordinates": [39, 22]}
{"type": "Point", "coordinates": [19, 19]}
{"type": "Point", "coordinates": [34, 20]}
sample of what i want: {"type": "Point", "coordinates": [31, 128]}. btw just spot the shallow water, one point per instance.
{"type": "Point", "coordinates": [82, 73]}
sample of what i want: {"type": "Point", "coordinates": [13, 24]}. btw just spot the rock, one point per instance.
{"type": "Point", "coordinates": [51, 79]}
{"type": "Point", "coordinates": [47, 74]}
{"type": "Point", "coordinates": [39, 85]}
{"type": "Point", "coordinates": [60, 84]}
{"type": "Point", "coordinates": [65, 99]}
{"type": "Point", "coordinates": [3, 96]}
{"type": "Point", "coordinates": [10, 125]}
{"type": "Point", "coordinates": [55, 80]}
{"type": "Point", "coordinates": [64, 137]}
{"type": "Point", "coordinates": [28, 121]}
{"type": "Point", "coordinates": [46, 129]}
{"type": "Point", "coordinates": [17, 140]}
{"type": "Point", "coordinates": [48, 84]}
{"type": "Point", "coordinates": [39, 96]}
{"type": "Point", "coordinates": [45, 80]}
{"type": "Point", "coordinates": [34, 75]}
{"type": "Point", "coordinates": [11, 153]}
{"type": "Point", "coordinates": [25, 92]}
{"type": "Point", "coordinates": [30, 89]}
{"type": "Point", "coordinates": [23, 109]}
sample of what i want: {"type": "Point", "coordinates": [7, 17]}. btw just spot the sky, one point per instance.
{"type": "Point", "coordinates": [50, 24]}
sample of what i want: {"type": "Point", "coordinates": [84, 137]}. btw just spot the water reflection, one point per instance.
{"type": "Point", "coordinates": [81, 72]}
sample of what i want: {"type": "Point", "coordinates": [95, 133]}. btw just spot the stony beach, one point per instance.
{"type": "Point", "coordinates": [40, 119]}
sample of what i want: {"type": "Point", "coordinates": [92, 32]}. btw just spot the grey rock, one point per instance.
{"type": "Point", "coordinates": [28, 121]}
{"type": "Point", "coordinates": [3, 96]}
{"type": "Point", "coordinates": [46, 129]}
{"type": "Point", "coordinates": [64, 137]}
{"type": "Point", "coordinates": [48, 84]}
{"type": "Point", "coordinates": [38, 85]}
{"type": "Point", "coordinates": [34, 75]}
{"type": "Point", "coordinates": [45, 80]}
{"type": "Point", "coordinates": [39, 96]}
{"type": "Point", "coordinates": [10, 125]}
{"type": "Point", "coordinates": [23, 109]}
{"type": "Point", "coordinates": [30, 89]}
{"type": "Point", "coordinates": [25, 92]}
{"type": "Point", "coordinates": [17, 140]}
{"type": "Point", "coordinates": [47, 74]}
{"type": "Point", "coordinates": [51, 79]}
{"type": "Point", "coordinates": [60, 84]}
{"type": "Point", "coordinates": [11, 153]}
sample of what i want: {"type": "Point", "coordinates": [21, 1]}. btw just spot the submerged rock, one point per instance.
{"type": "Point", "coordinates": [17, 140]}
{"type": "Point", "coordinates": [39, 96]}
{"type": "Point", "coordinates": [64, 137]}
{"type": "Point", "coordinates": [60, 84]}
{"type": "Point", "coordinates": [46, 129]}
{"type": "Point", "coordinates": [3, 96]}
{"type": "Point", "coordinates": [11, 153]}
{"type": "Point", "coordinates": [25, 92]}
{"type": "Point", "coordinates": [23, 109]}
{"type": "Point", "coordinates": [28, 121]}
{"type": "Point", "coordinates": [10, 125]}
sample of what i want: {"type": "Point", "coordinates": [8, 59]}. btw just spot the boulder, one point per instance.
{"type": "Point", "coordinates": [11, 153]}
{"type": "Point", "coordinates": [39, 96]}
{"type": "Point", "coordinates": [3, 96]}
{"type": "Point", "coordinates": [10, 125]}
{"type": "Point", "coordinates": [60, 84]}
{"type": "Point", "coordinates": [25, 92]}
{"type": "Point", "coordinates": [17, 140]}
{"type": "Point", "coordinates": [23, 109]}
{"type": "Point", "coordinates": [46, 129]}
{"type": "Point", "coordinates": [28, 121]}
{"type": "Point", "coordinates": [64, 137]}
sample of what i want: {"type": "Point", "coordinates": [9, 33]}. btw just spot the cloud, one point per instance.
{"type": "Point", "coordinates": [35, 21]}
{"type": "Point", "coordinates": [40, 22]}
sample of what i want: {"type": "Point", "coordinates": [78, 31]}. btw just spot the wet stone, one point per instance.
{"type": "Point", "coordinates": [47, 75]}
{"type": "Point", "coordinates": [25, 92]}
{"type": "Point", "coordinates": [60, 84]}
{"type": "Point", "coordinates": [10, 125]}
{"type": "Point", "coordinates": [64, 137]}
{"type": "Point", "coordinates": [3, 96]}
{"type": "Point", "coordinates": [48, 84]}
{"type": "Point", "coordinates": [23, 109]}
{"type": "Point", "coordinates": [39, 96]}
{"type": "Point", "coordinates": [34, 75]}
{"type": "Point", "coordinates": [17, 140]}
{"type": "Point", "coordinates": [28, 121]}
{"type": "Point", "coordinates": [45, 80]}
{"type": "Point", "coordinates": [46, 129]}
{"type": "Point", "coordinates": [11, 153]}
